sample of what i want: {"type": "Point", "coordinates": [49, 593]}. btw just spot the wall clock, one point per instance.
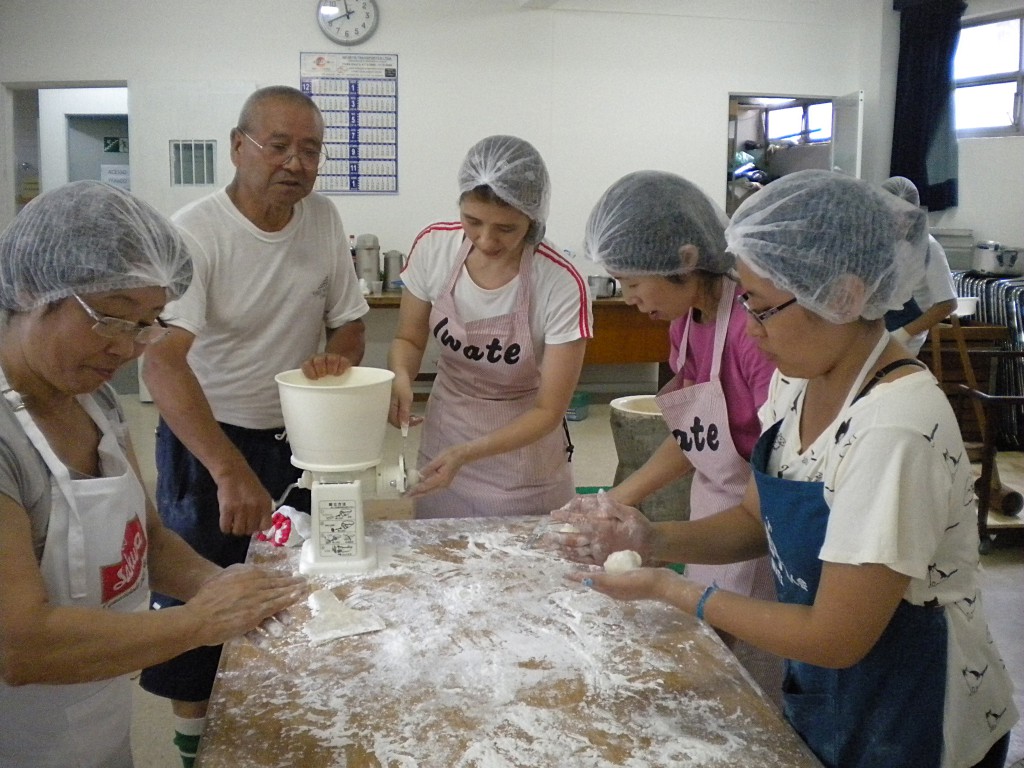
{"type": "Point", "coordinates": [348, 22]}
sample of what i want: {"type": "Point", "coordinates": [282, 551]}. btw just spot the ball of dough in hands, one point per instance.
{"type": "Point", "coordinates": [622, 561]}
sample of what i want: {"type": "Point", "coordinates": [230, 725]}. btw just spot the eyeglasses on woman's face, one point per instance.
{"type": "Point", "coordinates": [117, 328]}
{"type": "Point", "coordinates": [761, 315]}
{"type": "Point", "coordinates": [279, 153]}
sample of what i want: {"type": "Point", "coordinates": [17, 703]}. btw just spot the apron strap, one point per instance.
{"type": "Point", "coordinates": [569, 448]}
{"type": "Point", "coordinates": [884, 371]}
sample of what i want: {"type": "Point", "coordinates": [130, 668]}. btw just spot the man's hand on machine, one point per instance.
{"type": "Point", "coordinates": [326, 364]}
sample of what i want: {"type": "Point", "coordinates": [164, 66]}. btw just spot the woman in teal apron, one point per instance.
{"type": "Point", "coordinates": [862, 498]}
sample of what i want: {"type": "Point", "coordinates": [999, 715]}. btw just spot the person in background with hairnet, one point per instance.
{"type": "Point", "coordinates": [664, 240]}
{"type": "Point", "coordinates": [85, 271]}
{"type": "Point", "coordinates": [862, 495]}
{"type": "Point", "coordinates": [933, 295]}
{"type": "Point", "coordinates": [511, 315]}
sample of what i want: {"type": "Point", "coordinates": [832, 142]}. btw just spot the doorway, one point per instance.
{"type": "Point", "coordinates": [773, 135]}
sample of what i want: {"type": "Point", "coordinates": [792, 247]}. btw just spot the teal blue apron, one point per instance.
{"type": "Point", "coordinates": [886, 710]}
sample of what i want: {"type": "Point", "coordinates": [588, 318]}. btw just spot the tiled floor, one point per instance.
{"type": "Point", "coordinates": [595, 461]}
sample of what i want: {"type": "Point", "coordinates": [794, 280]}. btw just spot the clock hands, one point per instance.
{"type": "Point", "coordinates": [348, 12]}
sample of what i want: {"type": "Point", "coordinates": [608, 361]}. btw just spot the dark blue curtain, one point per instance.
{"type": "Point", "coordinates": [924, 145]}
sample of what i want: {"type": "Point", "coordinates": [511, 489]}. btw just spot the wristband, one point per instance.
{"type": "Point", "coordinates": [708, 592]}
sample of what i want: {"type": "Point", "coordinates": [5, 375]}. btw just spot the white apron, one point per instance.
{"type": "Point", "coordinates": [479, 389]}
{"type": "Point", "coordinates": [94, 557]}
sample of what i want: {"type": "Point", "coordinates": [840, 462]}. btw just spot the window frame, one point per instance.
{"type": "Point", "coordinates": [803, 137]}
{"type": "Point", "coordinates": [1016, 128]}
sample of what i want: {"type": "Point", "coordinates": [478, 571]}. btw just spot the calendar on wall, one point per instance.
{"type": "Point", "coordinates": [357, 93]}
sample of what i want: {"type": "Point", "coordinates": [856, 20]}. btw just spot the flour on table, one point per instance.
{"type": "Point", "coordinates": [332, 619]}
{"type": "Point", "coordinates": [621, 561]}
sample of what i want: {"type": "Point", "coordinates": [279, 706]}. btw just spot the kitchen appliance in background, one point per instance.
{"type": "Point", "coordinates": [601, 286]}
{"type": "Point", "coordinates": [993, 258]}
{"type": "Point", "coordinates": [393, 263]}
{"type": "Point", "coordinates": [368, 259]}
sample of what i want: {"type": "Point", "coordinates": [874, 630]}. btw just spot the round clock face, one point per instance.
{"type": "Point", "coordinates": [348, 22]}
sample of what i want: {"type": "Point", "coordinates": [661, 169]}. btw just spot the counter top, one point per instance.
{"type": "Point", "coordinates": [488, 658]}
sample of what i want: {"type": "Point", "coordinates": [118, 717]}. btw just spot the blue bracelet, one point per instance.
{"type": "Point", "coordinates": [708, 592]}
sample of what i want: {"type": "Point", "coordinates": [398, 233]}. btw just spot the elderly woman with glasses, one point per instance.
{"type": "Point", "coordinates": [861, 494]}
{"type": "Point", "coordinates": [663, 239]}
{"type": "Point", "coordinates": [85, 271]}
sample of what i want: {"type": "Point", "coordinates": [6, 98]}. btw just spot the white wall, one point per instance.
{"type": "Point", "coordinates": [600, 92]}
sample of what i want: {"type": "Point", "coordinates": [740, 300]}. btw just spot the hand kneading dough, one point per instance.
{"type": "Point", "coordinates": [623, 560]}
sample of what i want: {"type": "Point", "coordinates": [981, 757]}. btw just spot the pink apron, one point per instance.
{"type": "Point", "coordinates": [487, 377]}
{"type": "Point", "coordinates": [698, 416]}
{"type": "Point", "coordinates": [95, 556]}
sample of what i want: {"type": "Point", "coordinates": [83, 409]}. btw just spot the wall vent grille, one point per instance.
{"type": "Point", "coordinates": [192, 162]}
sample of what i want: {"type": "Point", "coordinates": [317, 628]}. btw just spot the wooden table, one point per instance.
{"type": "Point", "coordinates": [488, 658]}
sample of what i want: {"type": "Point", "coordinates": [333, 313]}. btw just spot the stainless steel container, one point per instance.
{"type": "Point", "coordinates": [393, 263]}
{"type": "Point", "coordinates": [368, 258]}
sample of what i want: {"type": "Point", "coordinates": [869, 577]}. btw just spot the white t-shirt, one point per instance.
{"type": "Point", "coordinates": [259, 301]}
{"type": "Point", "coordinates": [934, 281]}
{"type": "Point", "coordinates": [560, 309]}
{"type": "Point", "coordinates": [900, 492]}
{"type": "Point", "coordinates": [933, 284]}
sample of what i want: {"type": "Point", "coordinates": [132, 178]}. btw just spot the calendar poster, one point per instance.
{"type": "Point", "coordinates": [358, 96]}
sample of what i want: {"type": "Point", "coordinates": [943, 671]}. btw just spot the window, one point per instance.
{"type": "Point", "coordinates": [192, 162]}
{"type": "Point", "coordinates": [803, 124]}
{"type": "Point", "coordinates": [988, 75]}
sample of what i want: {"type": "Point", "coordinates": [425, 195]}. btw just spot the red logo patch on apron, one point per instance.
{"type": "Point", "coordinates": [119, 579]}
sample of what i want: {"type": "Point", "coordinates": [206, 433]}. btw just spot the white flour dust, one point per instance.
{"type": "Point", "coordinates": [488, 659]}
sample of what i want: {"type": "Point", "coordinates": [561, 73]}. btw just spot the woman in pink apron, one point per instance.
{"type": "Point", "coordinates": [84, 273]}
{"type": "Point", "coordinates": [661, 237]}
{"type": "Point", "coordinates": [510, 315]}
{"type": "Point", "coordinates": [861, 494]}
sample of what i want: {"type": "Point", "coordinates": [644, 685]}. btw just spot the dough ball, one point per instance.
{"type": "Point", "coordinates": [621, 561]}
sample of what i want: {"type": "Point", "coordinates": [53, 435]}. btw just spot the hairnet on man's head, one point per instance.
{"type": "Point", "coordinates": [88, 237]}
{"type": "Point", "coordinates": [841, 246]}
{"type": "Point", "coordinates": [903, 188]}
{"type": "Point", "coordinates": [644, 219]}
{"type": "Point", "coordinates": [513, 170]}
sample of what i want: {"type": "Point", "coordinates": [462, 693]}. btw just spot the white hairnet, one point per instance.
{"type": "Point", "coordinates": [903, 188]}
{"type": "Point", "coordinates": [643, 220]}
{"type": "Point", "coordinates": [811, 231]}
{"type": "Point", "coordinates": [514, 171]}
{"type": "Point", "coordinates": [88, 237]}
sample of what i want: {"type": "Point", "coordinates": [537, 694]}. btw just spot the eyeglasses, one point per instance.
{"type": "Point", "coordinates": [282, 154]}
{"type": "Point", "coordinates": [762, 315]}
{"type": "Point", "coordinates": [116, 328]}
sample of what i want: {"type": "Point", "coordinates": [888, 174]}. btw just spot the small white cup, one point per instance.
{"type": "Point", "coordinates": [376, 286]}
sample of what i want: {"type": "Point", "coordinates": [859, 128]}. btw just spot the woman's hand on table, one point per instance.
{"type": "Point", "coordinates": [637, 584]}
{"type": "Point", "coordinates": [599, 525]}
{"type": "Point", "coordinates": [440, 472]}
{"type": "Point", "coordinates": [239, 598]}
